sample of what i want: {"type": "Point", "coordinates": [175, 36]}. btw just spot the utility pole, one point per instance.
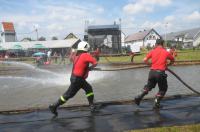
{"type": "Point", "coordinates": [166, 30]}
{"type": "Point", "coordinates": [36, 30]}
{"type": "Point", "coordinates": [120, 37]}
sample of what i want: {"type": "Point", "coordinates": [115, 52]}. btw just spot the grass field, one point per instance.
{"type": "Point", "coordinates": [182, 55]}
{"type": "Point", "coordinates": [186, 128]}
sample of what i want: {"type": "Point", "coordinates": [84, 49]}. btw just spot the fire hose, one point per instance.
{"type": "Point", "coordinates": [173, 73]}
{"type": "Point", "coordinates": [134, 67]}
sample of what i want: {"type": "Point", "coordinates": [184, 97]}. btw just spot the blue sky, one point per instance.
{"type": "Point", "coordinates": [58, 18]}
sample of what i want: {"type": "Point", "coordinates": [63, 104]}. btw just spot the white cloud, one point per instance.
{"type": "Point", "coordinates": [144, 6]}
{"type": "Point", "coordinates": [54, 19]}
{"type": "Point", "coordinates": [23, 18]}
{"type": "Point", "coordinates": [100, 10]}
{"type": "Point", "coordinates": [170, 18]}
{"type": "Point", "coordinates": [195, 16]}
{"type": "Point", "coordinates": [136, 8]}
{"type": "Point", "coordinates": [156, 2]}
{"type": "Point", "coordinates": [148, 25]}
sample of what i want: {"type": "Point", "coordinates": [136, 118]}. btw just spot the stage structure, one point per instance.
{"type": "Point", "coordinates": [105, 37]}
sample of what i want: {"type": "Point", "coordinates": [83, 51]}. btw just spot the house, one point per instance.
{"type": "Point", "coordinates": [26, 40]}
{"type": "Point", "coordinates": [8, 33]}
{"type": "Point", "coordinates": [71, 36]}
{"type": "Point", "coordinates": [142, 39]}
{"type": "Point", "coordinates": [187, 38]}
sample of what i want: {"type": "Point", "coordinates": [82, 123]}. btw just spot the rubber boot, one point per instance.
{"type": "Point", "coordinates": [139, 98]}
{"type": "Point", "coordinates": [91, 103]}
{"type": "Point", "coordinates": [53, 107]}
{"type": "Point", "coordinates": [157, 103]}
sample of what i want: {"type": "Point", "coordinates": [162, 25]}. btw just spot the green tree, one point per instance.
{"type": "Point", "coordinates": [54, 38]}
{"type": "Point", "coordinates": [42, 38]}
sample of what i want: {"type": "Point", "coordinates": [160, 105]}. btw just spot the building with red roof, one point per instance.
{"type": "Point", "coordinates": [8, 33]}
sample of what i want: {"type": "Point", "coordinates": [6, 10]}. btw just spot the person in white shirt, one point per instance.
{"type": "Point", "coordinates": [49, 55]}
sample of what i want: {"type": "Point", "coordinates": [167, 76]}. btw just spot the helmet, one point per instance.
{"type": "Point", "coordinates": [84, 46]}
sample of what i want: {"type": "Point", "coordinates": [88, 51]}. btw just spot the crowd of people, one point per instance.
{"type": "Point", "coordinates": [61, 57]}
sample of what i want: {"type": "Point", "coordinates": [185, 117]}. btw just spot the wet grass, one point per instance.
{"type": "Point", "coordinates": [186, 128]}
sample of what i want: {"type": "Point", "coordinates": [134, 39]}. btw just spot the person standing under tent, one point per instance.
{"type": "Point", "coordinates": [62, 57]}
{"type": "Point", "coordinates": [79, 74]}
{"type": "Point", "coordinates": [159, 57]}
{"type": "Point", "coordinates": [55, 56]}
{"type": "Point", "coordinates": [49, 56]}
{"type": "Point", "coordinates": [72, 54]}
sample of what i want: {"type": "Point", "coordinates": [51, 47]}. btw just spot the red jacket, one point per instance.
{"type": "Point", "coordinates": [159, 57]}
{"type": "Point", "coordinates": [81, 65]}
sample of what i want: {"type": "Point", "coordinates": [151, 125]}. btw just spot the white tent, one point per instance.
{"type": "Point", "coordinates": [48, 44]}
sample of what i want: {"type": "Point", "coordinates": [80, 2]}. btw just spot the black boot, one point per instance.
{"type": "Point", "coordinates": [157, 103]}
{"type": "Point", "coordinates": [53, 107]}
{"type": "Point", "coordinates": [92, 108]}
{"type": "Point", "coordinates": [139, 98]}
{"type": "Point", "coordinates": [91, 103]}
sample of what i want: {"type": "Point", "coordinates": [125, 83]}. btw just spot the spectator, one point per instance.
{"type": "Point", "coordinates": [62, 57]}
{"type": "Point", "coordinates": [49, 55]}
{"type": "Point", "coordinates": [132, 54]}
{"type": "Point", "coordinates": [55, 55]}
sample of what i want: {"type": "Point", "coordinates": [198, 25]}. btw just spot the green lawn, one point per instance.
{"type": "Point", "coordinates": [182, 55]}
{"type": "Point", "coordinates": [188, 55]}
{"type": "Point", "coordinates": [186, 128]}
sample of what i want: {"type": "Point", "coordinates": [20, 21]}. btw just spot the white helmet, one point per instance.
{"type": "Point", "coordinates": [84, 46]}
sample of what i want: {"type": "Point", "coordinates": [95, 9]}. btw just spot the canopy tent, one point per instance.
{"type": "Point", "coordinates": [17, 47]}
{"type": "Point", "coordinates": [39, 54]}
{"type": "Point", "coordinates": [2, 49]}
{"type": "Point", "coordinates": [38, 46]}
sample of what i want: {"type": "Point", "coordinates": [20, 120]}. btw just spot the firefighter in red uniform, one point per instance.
{"type": "Point", "coordinates": [159, 57]}
{"type": "Point", "coordinates": [96, 54]}
{"type": "Point", "coordinates": [173, 51]}
{"type": "Point", "coordinates": [79, 74]}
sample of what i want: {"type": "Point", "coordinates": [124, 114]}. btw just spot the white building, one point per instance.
{"type": "Point", "coordinates": [8, 33]}
{"type": "Point", "coordinates": [142, 39]}
{"type": "Point", "coordinates": [188, 38]}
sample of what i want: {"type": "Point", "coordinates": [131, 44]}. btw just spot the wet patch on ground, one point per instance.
{"type": "Point", "coordinates": [178, 110]}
